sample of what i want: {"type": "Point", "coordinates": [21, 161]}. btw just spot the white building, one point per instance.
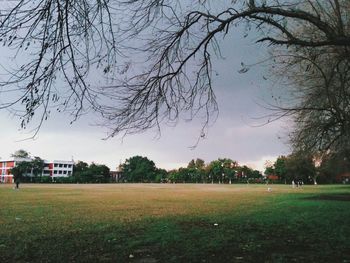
{"type": "Point", "coordinates": [52, 168]}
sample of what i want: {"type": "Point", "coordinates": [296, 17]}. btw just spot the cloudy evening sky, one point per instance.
{"type": "Point", "coordinates": [233, 135]}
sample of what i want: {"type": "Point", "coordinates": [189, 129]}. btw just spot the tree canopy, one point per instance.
{"type": "Point", "coordinates": [21, 169]}
{"type": "Point", "coordinates": [93, 173]}
{"type": "Point", "coordinates": [21, 154]}
{"type": "Point", "coordinates": [296, 166]}
{"type": "Point", "coordinates": [139, 169]}
{"type": "Point", "coordinates": [37, 165]}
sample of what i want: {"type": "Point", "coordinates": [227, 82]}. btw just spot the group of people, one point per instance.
{"type": "Point", "coordinates": [297, 183]}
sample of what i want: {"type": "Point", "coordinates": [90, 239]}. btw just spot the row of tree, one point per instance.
{"type": "Point", "coordinates": [93, 173]}
{"type": "Point", "coordinates": [296, 166]}
{"type": "Point", "coordinates": [141, 169]}
{"type": "Point", "coordinates": [310, 168]}
{"type": "Point", "coordinates": [138, 169]}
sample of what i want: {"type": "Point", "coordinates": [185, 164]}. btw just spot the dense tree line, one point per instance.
{"type": "Point", "coordinates": [293, 167]}
{"type": "Point", "coordinates": [138, 169]}
{"type": "Point", "coordinates": [93, 173]}
{"type": "Point", "coordinates": [303, 166]}
{"type": "Point", "coordinates": [309, 168]}
{"type": "Point", "coordinates": [142, 170]}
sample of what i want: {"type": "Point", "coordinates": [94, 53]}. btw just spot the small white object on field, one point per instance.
{"type": "Point", "coordinates": [216, 224]}
{"type": "Point", "coordinates": [131, 256]}
{"type": "Point", "coordinates": [269, 189]}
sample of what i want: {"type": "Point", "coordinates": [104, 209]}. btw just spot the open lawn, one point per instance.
{"type": "Point", "coordinates": [174, 223]}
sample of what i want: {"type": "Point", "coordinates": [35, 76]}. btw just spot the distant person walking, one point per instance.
{"type": "Point", "coordinates": [17, 183]}
{"type": "Point", "coordinates": [17, 172]}
{"type": "Point", "coordinates": [301, 183]}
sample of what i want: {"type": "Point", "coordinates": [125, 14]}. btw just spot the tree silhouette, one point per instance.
{"type": "Point", "coordinates": [163, 48]}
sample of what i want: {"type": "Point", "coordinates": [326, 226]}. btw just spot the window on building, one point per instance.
{"type": "Point", "coordinates": [64, 172]}
{"type": "Point", "coordinates": [69, 166]}
{"type": "Point", "coordinates": [56, 165]}
{"type": "Point", "coordinates": [69, 173]}
{"type": "Point", "coordinates": [60, 165]}
{"type": "Point", "coordinates": [55, 172]}
{"type": "Point", "coordinates": [65, 166]}
{"type": "Point", "coordinates": [59, 172]}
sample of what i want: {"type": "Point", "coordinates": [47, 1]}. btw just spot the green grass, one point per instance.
{"type": "Point", "coordinates": [174, 223]}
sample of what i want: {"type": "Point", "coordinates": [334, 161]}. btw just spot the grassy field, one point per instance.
{"type": "Point", "coordinates": [174, 223]}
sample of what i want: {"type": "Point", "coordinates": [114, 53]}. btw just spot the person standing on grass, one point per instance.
{"type": "Point", "coordinates": [17, 172]}
{"type": "Point", "coordinates": [300, 183]}
{"type": "Point", "coordinates": [17, 183]}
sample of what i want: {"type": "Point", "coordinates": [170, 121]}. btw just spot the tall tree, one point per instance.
{"type": "Point", "coordinates": [139, 169]}
{"type": "Point", "coordinates": [300, 165]}
{"type": "Point", "coordinates": [161, 176]}
{"type": "Point", "coordinates": [80, 166]}
{"type": "Point", "coordinates": [245, 172]}
{"type": "Point", "coordinates": [93, 173]}
{"type": "Point", "coordinates": [222, 170]}
{"type": "Point", "coordinates": [37, 166]}
{"type": "Point", "coordinates": [280, 168]}
{"type": "Point", "coordinates": [191, 164]}
{"type": "Point", "coordinates": [334, 164]}
{"type": "Point", "coordinates": [99, 173]}
{"type": "Point", "coordinates": [269, 170]}
{"type": "Point", "coordinates": [21, 169]}
{"type": "Point", "coordinates": [196, 171]}
{"type": "Point", "coordinates": [215, 171]}
{"type": "Point", "coordinates": [318, 82]}
{"type": "Point", "coordinates": [200, 164]}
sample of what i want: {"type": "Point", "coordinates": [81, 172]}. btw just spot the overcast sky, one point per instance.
{"type": "Point", "coordinates": [234, 134]}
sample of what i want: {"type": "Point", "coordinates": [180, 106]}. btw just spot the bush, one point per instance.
{"type": "Point", "coordinates": [45, 179]}
{"type": "Point", "coordinates": [64, 180]}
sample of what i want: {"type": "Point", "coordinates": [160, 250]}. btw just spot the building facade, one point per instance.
{"type": "Point", "coordinates": [116, 175]}
{"type": "Point", "coordinates": [53, 169]}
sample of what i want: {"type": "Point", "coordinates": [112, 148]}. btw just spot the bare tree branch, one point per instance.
{"type": "Point", "coordinates": [164, 49]}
